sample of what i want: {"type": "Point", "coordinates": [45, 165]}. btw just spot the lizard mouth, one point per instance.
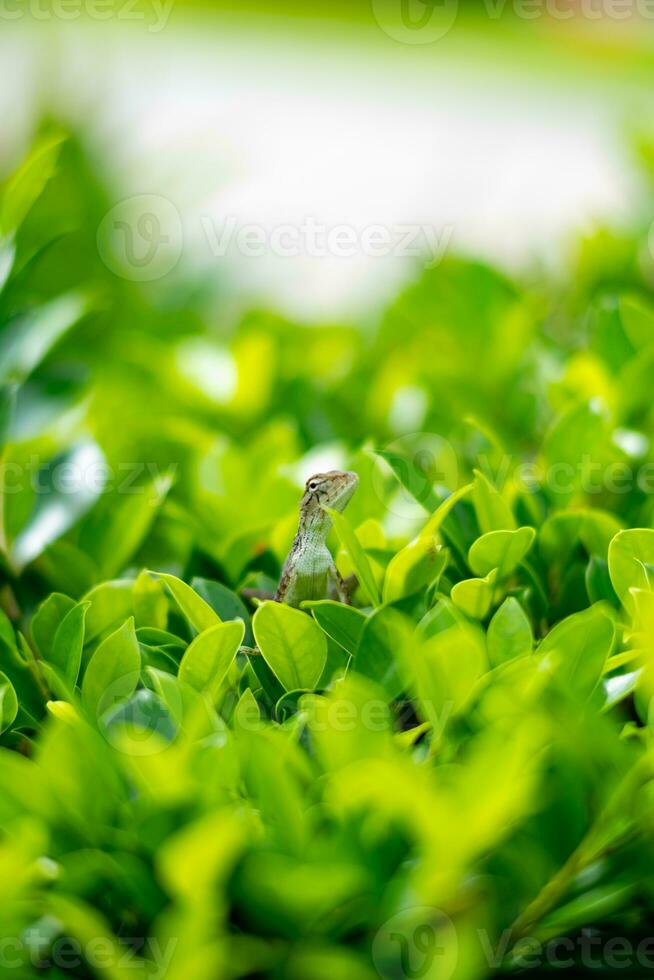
{"type": "Point", "coordinates": [345, 491]}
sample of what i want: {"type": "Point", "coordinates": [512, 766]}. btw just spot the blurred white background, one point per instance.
{"type": "Point", "coordinates": [266, 122]}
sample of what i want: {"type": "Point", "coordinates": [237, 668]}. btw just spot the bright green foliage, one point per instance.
{"type": "Point", "coordinates": [113, 671]}
{"type": "Point", "coordinates": [357, 555]}
{"type": "Point", "coordinates": [68, 643]}
{"type": "Point", "coordinates": [509, 633]}
{"type": "Point", "coordinates": [292, 644]}
{"type": "Point", "coordinates": [8, 702]}
{"type": "Point", "coordinates": [501, 550]}
{"type": "Point", "coordinates": [208, 658]}
{"type": "Point", "coordinates": [199, 613]}
{"type": "Point", "coordinates": [460, 761]}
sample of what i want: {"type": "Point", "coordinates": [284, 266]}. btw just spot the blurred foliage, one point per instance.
{"type": "Point", "coordinates": [429, 783]}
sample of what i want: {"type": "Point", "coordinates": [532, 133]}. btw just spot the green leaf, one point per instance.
{"type": "Point", "coordinates": [195, 860]}
{"type": "Point", "coordinates": [436, 520]}
{"type": "Point", "coordinates": [444, 671]}
{"type": "Point", "coordinates": [561, 532]}
{"type": "Point", "coordinates": [18, 662]}
{"type": "Point", "coordinates": [418, 482]}
{"type": "Point", "coordinates": [503, 550]}
{"type": "Point", "coordinates": [27, 183]}
{"type": "Point", "coordinates": [509, 633]}
{"type": "Point", "coordinates": [598, 582]}
{"type": "Point", "coordinates": [582, 644]}
{"type": "Point", "coordinates": [292, 644]}
{"type": "Point", "coordinates": [66, 653]}
{"type": "Point", "coordinates": [617, 688]}
{"type": "Point", "coordinates": [154, 637]}
{"type": "Point", "coordinates": [8, 703]}
{"type": "Point", "coordinates": [342, 623]}
{"type": "Point", "coordinates": [631, 563]}
{"type": "Point", "coordinates": [414, 567]}
{"type": "Point", "coordinates": [46, 621]}
{"type": "Point", "coordinates": [7, 259]}
{"type": "Point", "coordinates": [7, 633]}
{"type": "Point", "coordinates": [67, 567]}
{"type": "Point", "coordinates": [113, 671]}
{"type": "Point", "coordinates": [441, 617]}
{"type": "Point", "coordinates": [474, 596]}
{"type": "Point", "coordinates": [226, 603]}
{"type": "Point", "coordinates": [208, 658]}
{"type": "Point", "coordinates": [127, 523]}
{"type": "Point", "coordinates": [576, 443]}
{"type": "Point", "coordinates": [171, 692]}
{"type": "Point", "coordinates": [145, 712]}
{"type": "Point", "coordinates": [493, 513]}
{"type": "Point", "coordinates": [247, 713]}
{"type": "Point", "coordinates": [31, 336]}
{"type": "Point", "coordinates": [637, 321]}
{"type": "Point", "coordinates": [198, 612]}
{"type": "Point", "coordinates": [597, 530]}
{"type": "Point", "coordinates": [59, 506]}
{"type": "Point", "coordinates": [357, 555]}
{"type": "Point", "coordinates": [150, 603]}
{"type": "Point", "coordinates": [385, 635]}
{"type": "Point", "coordinates": [111, 602]}
{"type": "Point", "coordinates": [7, 407]}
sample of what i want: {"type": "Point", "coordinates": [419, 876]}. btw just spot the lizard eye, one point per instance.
{"type": "Point", "coordinates": [313, 485]}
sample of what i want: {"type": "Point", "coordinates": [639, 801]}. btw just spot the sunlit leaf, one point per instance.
{"type": "Point", "coordinates": [347, 537]}
{"type": "Point", "coordinates": [292, 644]}
{"type": "Point", "coordinates": [417, 565]}
{"type": "Point", "coordinates": [342, 623]}
{"type": "Point", "coordinates": [110, 603]}
{"type": "Point", "coordinates": [503, 550]}
{"type": "Point", "coordinates": [126, 525]}
{"type": "Point", "coordinates": [66, 653]}
{"type": "Point", "coordinates": [509, 633]}
{"type": "Point", "coordinates": [26, 184]}
{"type": "Point", "coordinates": [386, 634]}
{"type": "Point", "coordinates": [68, 487]}
{"type": "Point", "coordinates": [198, 612]}
{"type": "Point", "coordinates": [474, 596]}
{"type": "Point", "coordinates": [31, 336]}
{"type": "Point", "coordinates": [113, 671]}
{"type": "Point", "coordinates": [8, 702]}
{"type": "Point", "coordinates": [208, 658]}
{"type": "Point", "coordinates": [631, 563]}
{"type": "Point", "coordinates": [582, 644]}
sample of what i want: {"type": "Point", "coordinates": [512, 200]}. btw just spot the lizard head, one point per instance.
{"type": "Point", "coordinates": [332, 489]}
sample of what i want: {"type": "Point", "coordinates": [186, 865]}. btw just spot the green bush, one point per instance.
{"type": "Point", "coordinates": [451, 777]}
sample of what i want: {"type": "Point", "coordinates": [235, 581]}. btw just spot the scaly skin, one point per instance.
{"type": "Point", "coordinates": [309, 571]}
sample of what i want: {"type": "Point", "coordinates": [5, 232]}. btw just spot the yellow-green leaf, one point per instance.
{"type": "Point", "coordinates": [208, 658]}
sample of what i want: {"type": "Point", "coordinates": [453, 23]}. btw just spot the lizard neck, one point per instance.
{"type": "Point", "coordinates": [314, 527]}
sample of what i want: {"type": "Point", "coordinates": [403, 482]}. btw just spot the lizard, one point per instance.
{"type": "Point", "coordinates": [309, 571]}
